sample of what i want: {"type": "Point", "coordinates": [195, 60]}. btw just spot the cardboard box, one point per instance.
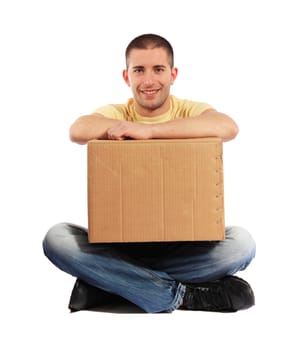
{"type": "Point", "coordinates": [155, 190]}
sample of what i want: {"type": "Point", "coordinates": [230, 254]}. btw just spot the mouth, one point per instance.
{"type": "Point", "coordinates": [149, 92]}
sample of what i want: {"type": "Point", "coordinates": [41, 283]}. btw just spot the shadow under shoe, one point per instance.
{"type": "Point", "coordinates": [228, 294]}
{"type": "Point", "coordinates": [84, 297]}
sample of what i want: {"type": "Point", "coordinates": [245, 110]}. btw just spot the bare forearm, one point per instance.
{"type": "Point", "coordinates": [90, 127]}
{"type": "Point", "coordinates": [209, 124]}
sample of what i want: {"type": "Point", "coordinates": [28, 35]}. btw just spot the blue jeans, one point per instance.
{"type": "Point", "coordinates": [150, 275]}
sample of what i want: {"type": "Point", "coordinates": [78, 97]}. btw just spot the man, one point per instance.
{"type": "Point", "coordinates": [162, 276]}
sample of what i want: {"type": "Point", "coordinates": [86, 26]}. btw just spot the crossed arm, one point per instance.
{"type": "Point", "coordinates": [208, 124]}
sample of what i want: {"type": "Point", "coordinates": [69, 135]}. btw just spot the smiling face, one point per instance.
{"type": "Point", "coordinates": [150, 77]}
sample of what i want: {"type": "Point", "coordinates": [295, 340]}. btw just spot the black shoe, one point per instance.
{"type": "Point", "coordinates": [228, 294]}
{"type": "Point", "coordinates": [84, 297]}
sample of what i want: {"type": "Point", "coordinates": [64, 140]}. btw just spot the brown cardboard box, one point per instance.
{"type": "Point", "coordinates": [155, 190]}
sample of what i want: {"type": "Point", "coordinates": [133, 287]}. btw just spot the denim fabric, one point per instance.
{"type": "Point", "coordinates": [150, 275]}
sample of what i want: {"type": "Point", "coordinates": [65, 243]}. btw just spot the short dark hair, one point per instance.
{"type": "Point", "coordinates": [150, 41]}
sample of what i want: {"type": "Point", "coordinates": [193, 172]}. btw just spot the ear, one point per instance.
{"type": "Point", "coordinates": [174, 74]}
{"type": "Point", "coordinates": [125, 77]}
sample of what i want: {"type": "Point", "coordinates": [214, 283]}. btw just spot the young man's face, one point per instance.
{"type": "Point", "coordinates": [150, 76]}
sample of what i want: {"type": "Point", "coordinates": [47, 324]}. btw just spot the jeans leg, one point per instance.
{"type": "Point", "coordinates": [195, 262]}
{"type": "Point", "coordinates": [108, 268]}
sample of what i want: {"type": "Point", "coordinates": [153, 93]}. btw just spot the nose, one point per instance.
{"type": "Point", "coordinates": [148, 78]}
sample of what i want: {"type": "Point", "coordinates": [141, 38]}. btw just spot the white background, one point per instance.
{"type": "Point", "coordinates": [60, 59]}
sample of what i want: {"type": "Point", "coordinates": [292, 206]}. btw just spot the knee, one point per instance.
{"type": "Point", "coordinates": [242, 241]}
{"type": "Point", "coordinates": [52, 238]}
{"type": "Point", "coordinates": [59, 239]}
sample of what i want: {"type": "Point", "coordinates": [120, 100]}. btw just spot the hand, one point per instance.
{"type": "Point", "coordinates": [123, 130]}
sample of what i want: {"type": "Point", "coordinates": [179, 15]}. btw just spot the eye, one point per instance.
{"type": "Point", "coordinates": [138, 70]}
{"type": "Point", "coordinates": [159, 69]}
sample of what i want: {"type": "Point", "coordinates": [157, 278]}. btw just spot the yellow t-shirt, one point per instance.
{"type": "Point", "coordinates": [178, 109]}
